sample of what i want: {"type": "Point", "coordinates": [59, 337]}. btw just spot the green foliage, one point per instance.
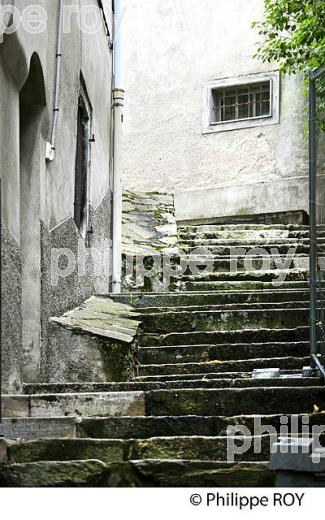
{"type": "Point", "coordinates": [293, 34]}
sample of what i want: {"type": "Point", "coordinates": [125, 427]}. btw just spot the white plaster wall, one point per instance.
{"type": "Point", "coordinates": [170, 49]}
{"type": "Point", "coordinates": [9, 159]}
{"type": "Point", "coordinates": [89, 55]}
{"type": "Point", "coordinates": [82, 53]}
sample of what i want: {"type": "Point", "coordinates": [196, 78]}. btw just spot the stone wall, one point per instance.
{"type": "Point", "coordinates": [149, 231]}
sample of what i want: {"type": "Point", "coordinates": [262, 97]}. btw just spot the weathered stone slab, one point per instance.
{"type": "Point", "coordinates": [30, 428]}
{"type": "Point", "coordinates": [3, 451]}
{"type": "Point", "coordinates": [187, 473]}
{"type": "Point", "coordinates": [145, 301]}
{"type": "Point", "coordinates": [84, 473]}
{"type": "Point", "coordinates": [101, 330]}
{"type": "Point", "coordinates": [188, 425]}
{"type": "Point", "coordinates": [294, 400]}
{"type": "Point", "coordinates": [88, 405]}
{"type": "Point", "coordinates": [67, 449]}
{"type": "Point", "coordinates": [265, 373]}
{"type": "Point", "coordinates": [102, 317]}
{"type": "Point", "coordinates": [214, 320]}
{"type": "Point", "coordinates": [200, 448]}
{"type": "Point", "coordinates": [15, 406]}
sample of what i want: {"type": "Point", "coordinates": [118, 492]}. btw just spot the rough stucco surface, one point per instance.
{"type": "Point", "coordinates": [10, 312]}
{"type": "Point", "coordinates": [70, 289]}
{"type": "Point", "coordinates": [175, 48]}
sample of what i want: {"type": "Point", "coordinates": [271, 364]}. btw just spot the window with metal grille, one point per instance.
{"type": "Point", "coordinates": [242, 102]}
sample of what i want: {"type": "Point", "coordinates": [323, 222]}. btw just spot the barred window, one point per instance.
{"type": "Point", "coordinates": [237, 103]}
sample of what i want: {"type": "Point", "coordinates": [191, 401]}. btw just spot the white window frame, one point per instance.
{"type": "Point", "coordinates": [209, 126]}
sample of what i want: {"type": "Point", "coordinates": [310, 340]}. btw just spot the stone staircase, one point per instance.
{"type": "Point", "coordinates": [198, 348]}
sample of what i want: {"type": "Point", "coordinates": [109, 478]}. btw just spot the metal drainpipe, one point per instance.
{"type": "Point", "coordinates": [118, 104]}
{"type": "Point", "coordinates": [50, 146]}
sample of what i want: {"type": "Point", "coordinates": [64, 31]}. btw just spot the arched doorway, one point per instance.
{"type": "Point", "coordinates": [31, 107]}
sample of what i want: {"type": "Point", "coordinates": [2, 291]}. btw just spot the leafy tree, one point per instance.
{"type": "Point", "coordinates": [293, 34]}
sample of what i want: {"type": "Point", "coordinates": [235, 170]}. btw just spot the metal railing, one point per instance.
{"type": "Point", "coordinates": [317, 216]}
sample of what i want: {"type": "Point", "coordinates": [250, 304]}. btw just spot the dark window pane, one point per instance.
{"type": "Point", "coordinates": [265, 108]}
{"type": "Point", "coordinates": [243, 111]}
{"type": "Point", "coordinates": [230, 113]}
{"type": "Point", "coordinates": [242, 100]}
{"type": "Point", "coordinates": [230, 100]}
{"type": "Point", "coordinates": [81, 166]}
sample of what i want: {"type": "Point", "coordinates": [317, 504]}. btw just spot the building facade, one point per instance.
{"type": "Point", "coordinates": [55, 135]}
{"type": "Point", "coordinates": [204, 118]}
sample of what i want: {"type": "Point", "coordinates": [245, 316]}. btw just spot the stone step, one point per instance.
{"type": "Point", "coordinates": [296, 334]}
{"type": "Point", "coordinates": [246, 243]}
{"type": "Point", "coordinates": [73, 404]}
{"type": "Point", "coordinates": [92, 387]}
{"type": "Point", "coordinates": [268, 249]}
{"type": "Point", "coordinates": [113, 450]}
{"type": "Point", "coordinates": [64, 450]}
{"type": "Point", "coordinates": [188, 473]}
{"type": "Point", "coordinates": [229, 307]}
{"type": "Point", "coordinates": [142, 385]}
{"type": "Point", "coordinates": [224, 366]}
{"type": "Point", "coordinates": [100, 404]}
{"type": "Point", "coordinates": [155, 300]}
{"type": "Point", "coordinates": [236, 401]}
{"type": "Point", "coordinates": [199, 448]}
{"type": "Point", "coordinates": [81, 473]}
{"type": "Point", "coordinates": [143, 473]}
{"type": "Point", "coordinates": [276, 275]}
{"type": "Point", "coordinates": [244, 285]}
{"type": "Point", "coordinates": [246, 227]}
{"type": "Point", "coordinates": [202, 353]}
{"type": "Point", "coordinates": [38, 427]}
{"type": "Point", "coordinates": [145, 427]}
{"type": "Point", "coordinates": [238, 376]}
{"type": "Point", "coordinates": [211, 264]}
{"type": "Point", "coordinates": [166, 426]}
{"type": "Point", "coordinates": [185, 321]}
{"type": "Point", "coordinates": [246, 234]}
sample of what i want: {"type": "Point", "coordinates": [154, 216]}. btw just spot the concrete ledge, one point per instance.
{"type": "Point", "coordinates": [283, 195]}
